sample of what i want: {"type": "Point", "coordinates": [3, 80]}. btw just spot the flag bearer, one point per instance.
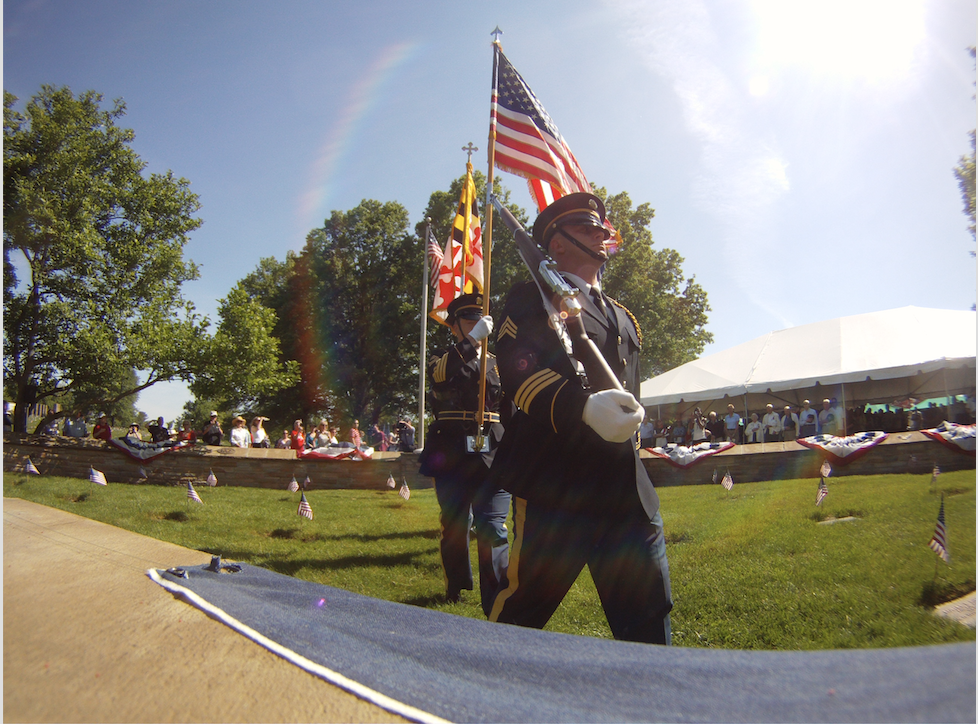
{"type": "Point", "coordinates": [581, 496]}
{"type": "Point", "coordinates": [451, 458]}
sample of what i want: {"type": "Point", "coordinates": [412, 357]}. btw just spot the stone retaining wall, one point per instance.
{"type": "Point", "coordinates": [910, 452]}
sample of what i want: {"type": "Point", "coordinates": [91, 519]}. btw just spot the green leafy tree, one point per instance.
{"type": "Point", "coordinates": [364, 270]}
{"type": "Point", "coordinates": [670, 309]}
{"type": "Point", "coordinates": [242, 362]}
{"type": "Point", "coordinates": [102, 245]}
{"type": "Point", "coordinates": [965, 173]}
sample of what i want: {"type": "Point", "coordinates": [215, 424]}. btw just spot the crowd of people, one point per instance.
{"type": "Point", "coordinates": [790, 423]}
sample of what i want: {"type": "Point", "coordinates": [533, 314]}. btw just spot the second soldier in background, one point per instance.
{"type": "Point", "coordinates": [461, 471]}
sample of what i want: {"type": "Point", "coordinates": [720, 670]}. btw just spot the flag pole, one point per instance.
{"type": "Point", "coordinates": [424, 332]}
{"type": "Point", "coordinates": [487, 237]}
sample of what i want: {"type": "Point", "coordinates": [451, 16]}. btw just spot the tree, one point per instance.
{"type": "Point", "coordinates": [103, 249]}
{"type": "Point", "coordinates": [242, 362]}
{"type": "Point", "coordinates": [965, 173]}
{"type": "Point", "coordinates": [364, 268]}
{"type": "Point", "coordinates": [671, 310]}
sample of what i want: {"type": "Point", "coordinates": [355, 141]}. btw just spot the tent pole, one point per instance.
{"type": "Point", "coordinates": [845, 416]}
{"type": "Point", "coordinates": [947, 397]}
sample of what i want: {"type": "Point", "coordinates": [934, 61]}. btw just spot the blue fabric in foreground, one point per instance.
{"type": "Point", "coordinates": [468, 670]}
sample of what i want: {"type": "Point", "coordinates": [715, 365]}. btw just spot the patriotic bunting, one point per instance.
{"type": "Point", "coordinates": [938, 543]}
{"type": "Point", "coordinates": [682, 456]}
{"type": "Point", "coordinates": [823, 490]}
{"type": "Point", "coordinates": [192, 494]}
{"type": "Point", "coordinates": [96, 476]}
{"type": "Point", "coordinates": [304, 509]}
{"type": "Point", "coordinates": [31, 468]}
{"type": "Point", "coordinates": [843, 450]}
{"type": "Point", "coordinates": [336, 453]}
{"type": "Point", "coordinates": [293, 485]}
{"type": "Point", "coordinates": [960, 438]}
{"type": "Point", "coordinates": [146, 450]}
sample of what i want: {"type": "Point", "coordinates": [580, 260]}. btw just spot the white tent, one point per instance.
{"type": "Point", "coordinates": [867, 358]}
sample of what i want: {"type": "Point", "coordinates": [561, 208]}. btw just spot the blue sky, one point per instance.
{"type": "Point", "coordinates": [799, 155]}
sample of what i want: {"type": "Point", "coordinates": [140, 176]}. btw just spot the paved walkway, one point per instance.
{"type": "Point", "coordinates": [88, 637]}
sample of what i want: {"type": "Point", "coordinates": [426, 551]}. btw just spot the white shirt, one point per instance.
{"type": "Point", "coordinates": [240, 437]}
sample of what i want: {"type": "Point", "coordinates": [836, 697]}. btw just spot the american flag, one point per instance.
{"type": "Point", "coordinates": [823, 490]}
{"type": "Point", "coordinates": [142, 473]}
{"type": "Point", "coordinates": [934, 474]}
{"type": "Point", "coordinates": [715, 475]}
{"type": "Point", "coordinates": [727, 481]}
{"type": "Point", "coordinates": [304, 510]}
{"type": "Point", "coordinates": [390, 481]}
{"type": "Point", "coordinates": [293, 485]}
{"type": "Point", "coordinates": [192, 494]}
{"type": "Point", "coordinates": [435, 256]}
{"type": "Point", "coordinates": [31, 468]}
{"type": "Point", "coordinates": [826, 469]}
{"type": "Point", "coordinates": [96, 476]}
{"type": "Point", "coordinates": [307, 483]}
{"type": "Point", "coordinates": [212, 479]}
{"type": "Point", "coordinates": [938, 543]}
{"type": "Point", "coordinates": [528, 143]}
{"type": "Point", "coordinates": [405, 491]}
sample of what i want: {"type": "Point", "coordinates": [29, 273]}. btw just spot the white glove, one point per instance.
{"type": "Point", "coordinates": [482, 329]}
{"type": "Point", "coordinates": [614, 414]}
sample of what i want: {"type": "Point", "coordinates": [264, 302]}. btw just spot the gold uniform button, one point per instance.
{"type": "Point", "coordinates": [619, 339]}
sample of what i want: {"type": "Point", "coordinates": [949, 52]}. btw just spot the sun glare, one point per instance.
{"type": "Point", "coordinates": [873, 41]}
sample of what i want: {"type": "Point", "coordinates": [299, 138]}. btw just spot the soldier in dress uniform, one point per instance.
{"type": "Point", "coordinates": [460, 469]}
{"type": "Point", "coordinates": [569, 456]}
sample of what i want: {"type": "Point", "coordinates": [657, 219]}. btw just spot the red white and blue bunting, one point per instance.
{"type": "Point", "coordinates": [960, 438]}
{"type": "Point", "coordinates": [682, 456]}
{"type": "Point", "coordinates": [843, 450]}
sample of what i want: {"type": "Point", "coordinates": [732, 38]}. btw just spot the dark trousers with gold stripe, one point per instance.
{"type": "Point", "coordinates": [625, 555]}
{"type": "Point", "coordinates": [465, 499]}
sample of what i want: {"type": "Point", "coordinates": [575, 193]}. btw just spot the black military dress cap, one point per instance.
{"type": "Point", "coordinates": [577, 208]}
{"type": "Point", "coordinates": [465, 306]}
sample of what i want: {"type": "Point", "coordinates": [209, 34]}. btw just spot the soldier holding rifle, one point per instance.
{"type": "Point", "coordinates": [581, 496]}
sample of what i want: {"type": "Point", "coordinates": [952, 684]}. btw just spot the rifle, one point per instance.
{"type": "Point", "coordinates": [560, 301]}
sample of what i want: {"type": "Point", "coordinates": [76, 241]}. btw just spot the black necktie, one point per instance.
{"type": "Point", "coordinates": [599, 302]}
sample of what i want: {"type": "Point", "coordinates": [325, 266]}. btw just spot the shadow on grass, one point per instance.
{"type": "Point", "coordinates": [290, 566]}
{"type": "Point", "coordinates": [934, 593]}
{"type": "Point", "coordinates": [177, 516]}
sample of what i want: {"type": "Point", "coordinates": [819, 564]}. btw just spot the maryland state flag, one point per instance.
{"type": "Point", "coordinates": [461, 265]}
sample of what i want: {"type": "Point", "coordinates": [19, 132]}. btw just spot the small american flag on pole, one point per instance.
{"type": "Point", "coordinates": [293, 485]}
{"type": "Point", "coordinates": [192, 494]}
{"type": "Point", "coordinates": [304, 509]}
{"type": "Point", "coordinates": [142, 473]}
{"type": "Point", "coordinates": [823, 490]}
{"type": "Point", "coordinates": [212, 479]}
{"type": "Point", "coordinates": [405, 491]}
{"type": "Point", "coordinates": [390, 481]}
{"type": "Point", "coordinates": [826, 469]}
{"type": "Point", "coordinates": [938, 543]}
{"type": "Point", "coordinates": [435, 256]}
{"type": "Point", "coordinates": [31, 468]}
{"type": "Point", "coordinates": [727, 481]}
{"type": "Point", "coordinates": [934, 474]}
{"type": "Point", "coordinates": [715, 476]}
{"type": "Point", "coordinates": [96, 476]}
{"type": "Point", "coordinates": [307, 483]}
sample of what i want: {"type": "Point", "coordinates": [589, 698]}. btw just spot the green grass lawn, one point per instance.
{"type": "Point", "coordinates": [751, 568]}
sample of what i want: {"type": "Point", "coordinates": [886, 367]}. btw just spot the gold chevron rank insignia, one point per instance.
{"type": "Point", "coordinates": [508, 328]}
